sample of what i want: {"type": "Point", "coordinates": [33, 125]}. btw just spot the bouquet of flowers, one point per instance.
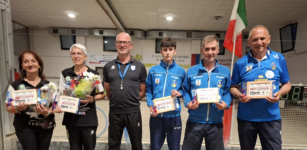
{"type": "Point", "coordinates": [81, 86]}
{"type": "Point", "coordinates": [45, 95]}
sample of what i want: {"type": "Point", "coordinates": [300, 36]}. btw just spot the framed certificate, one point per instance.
{"type": "Point", "coordinates": [24, 96]}
{"type": "Point", "coordinates": [69, 104]}
{"type": "Point", "coordinates": [208, 95]}
{"type": "Point", "coordinates": [259, 89]}
{"type": "Point", "coordinates": [164, 104]}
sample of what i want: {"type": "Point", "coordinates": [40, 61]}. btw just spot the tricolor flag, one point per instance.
{"type": "Point", "coordinates": [237, 23]}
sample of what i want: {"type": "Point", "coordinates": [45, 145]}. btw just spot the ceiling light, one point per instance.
{"type": "Point", "coordinates": [71, 15]}
{"type": "Point", "coordinates": [169, 18]}
{"type": "Point", "coordinates": [105, 41]}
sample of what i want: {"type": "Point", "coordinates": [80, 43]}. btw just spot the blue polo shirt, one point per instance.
{"type": "Point", "coordinates": [272, 67]}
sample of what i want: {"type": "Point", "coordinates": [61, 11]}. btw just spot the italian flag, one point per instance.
{"type": "Point", "coordinates": [237, 23]}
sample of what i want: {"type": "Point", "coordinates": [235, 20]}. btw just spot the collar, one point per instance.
{"type": "Point", "coordinates": [165, 65]}
{"type": "Point", "coordinates": [201, 66]}
{"type": "Point", "coordinates": [73, 69]}
{"type": "Point", "coordinates": [269, 51]}
{"type": "Point", "coordinates": [117, 60]}
{"type": "Point", "coordinates": [40, 84]}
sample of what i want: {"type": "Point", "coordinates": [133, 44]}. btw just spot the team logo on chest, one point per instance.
{"type": "Point", "coordinates": [273, 65]}
{"type": "Point", "coordinates": [198, 82]}
{"type": "Point", "coordinates": [113, 67]}
{"type": "Point", "coordinates": [219, 83]}
{"type": "Point", "coordinates": [249, 68]}
{"type": "Point", "coordinates": [174, 83]}
{"type": "Point", "coordinates": [157, 81]}
{"type": "Point", "coordinates": [132, 67]}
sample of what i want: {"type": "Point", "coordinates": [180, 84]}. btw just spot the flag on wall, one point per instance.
{"type": "Point", "coordinates": [195, 59]}
{"type": "Point", "coordinates": [237, 23]}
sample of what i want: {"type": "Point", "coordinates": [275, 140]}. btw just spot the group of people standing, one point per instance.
{"type": "Point", "coordinates": [126, 82]}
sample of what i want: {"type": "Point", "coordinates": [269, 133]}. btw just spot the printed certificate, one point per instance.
{"type": "Point", "coordinates": [164, 104]}
{"type": "Point", "coordinates": [24, 96]}
{"type": "Point", "coordinates": [208, 95]}
{"type": "Point", "coordinates": [69, 104]}
{"type": "Point", "coordinates": [259, 89]}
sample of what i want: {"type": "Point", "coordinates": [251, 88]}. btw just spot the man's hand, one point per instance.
{"type": "Point", "coordinates": [243, 99]}
{"type": "Point", "coordinates": [221, 106]}
{"type": "Point", "coordinates": [275, 98]}
{"type": "Point", "coordinates": [192, 105]}
{"type": "Point", "coordinates": [175, 93]}
{"type": "Point", "coordinates": [88, 100]}
{"type": "Point", "coordinates": [152, 112]}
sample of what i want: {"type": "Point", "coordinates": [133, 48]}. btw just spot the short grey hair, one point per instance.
{"type": "Point", "coordinates": [257, 26]}
{"type": "Point", "coordinates": [124, 33]}
{"type": "Point", "coordinates": [79, 46]}
{"type": "Point", "coordinates": [210, 38]}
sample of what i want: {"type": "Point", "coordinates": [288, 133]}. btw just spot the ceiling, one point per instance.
{"type": "Point", "coordinates": [151, 14]}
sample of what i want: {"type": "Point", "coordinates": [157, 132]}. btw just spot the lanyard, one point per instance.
{"type": "Point", "coordinates": [122, 75]}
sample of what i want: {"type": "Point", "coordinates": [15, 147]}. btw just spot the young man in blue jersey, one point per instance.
{"type": "Point", "coordinates": [165, 80]}
{"type": "Point", "coordinates": [260, 116]}
{"type": "Point", "coordinates": [206, 120]}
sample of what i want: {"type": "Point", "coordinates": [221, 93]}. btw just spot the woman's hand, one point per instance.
{"type": "Point", "coordinates": [41, 109]}
{"type": "Point", "coordinates": [22, 107]}
{"type": "Point", "coordinates": [57, 110]}
{"type": "Point", "coordinates": [88, 100]}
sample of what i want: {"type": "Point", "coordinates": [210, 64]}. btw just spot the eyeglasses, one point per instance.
{"type": "Point", "coordinates": [74, 53]}
{"type": "Point", "coordinates": [122, 42]}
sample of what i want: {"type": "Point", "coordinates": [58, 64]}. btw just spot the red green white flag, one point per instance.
{"type": "Point", "coordinates": [237, 23]}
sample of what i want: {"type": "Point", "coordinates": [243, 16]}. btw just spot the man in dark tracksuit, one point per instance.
{"type": "Point", "coordinates": [124, 81]}
{"type": "Point", "coordinates": [206, 120]}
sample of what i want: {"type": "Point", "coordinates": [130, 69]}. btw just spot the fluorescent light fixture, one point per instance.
{"type": "Point", "coordinates": [105, 41]}
{"type": "Point", "coordinates": [71, 15]}
{"type": "Point", "coordinates": [169, 18]}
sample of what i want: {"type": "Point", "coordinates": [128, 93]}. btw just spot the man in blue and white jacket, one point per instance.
{"type": "Point", "coordinates": [164, 80]}
{"type": "Point", "coordinates": [206, 120]}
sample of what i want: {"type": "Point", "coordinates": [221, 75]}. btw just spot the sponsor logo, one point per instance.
{"type": "Point", "coordinates": [157, 81]}
{"type": "Point", "coordinates": [220, 77]}
{"type": "Point", "coordinates": [113, 67]}
{"type": "Point", "coordinates": [198, 82]}
{"type": "Point", "coordinates": [269, 74]}
{"type": "Point", "coordinates": [159, 75]}
{"type": "Point", "coordinates": [174, 83]}
{"type": "Point", "coordinates": [174, 77]}
{"type": "Point", "coordinates": [249, 68]}
{"type": "Point", "coordinates": [273, 65]}
{"type": "Point", "coordinates": [219, 83]}
{"type": "Point", "coordinates": [132, 67]}
{"type": "Point", "coordinates": [276, 56]}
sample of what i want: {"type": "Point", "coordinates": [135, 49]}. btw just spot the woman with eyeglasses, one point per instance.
{"type": "Point", "coordinates": [27, 122]}
{"type": "Point", "coordinates": [81, 127]}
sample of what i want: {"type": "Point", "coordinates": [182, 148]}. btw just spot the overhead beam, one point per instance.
{"type": "Point", "coordinates": [108, 10]}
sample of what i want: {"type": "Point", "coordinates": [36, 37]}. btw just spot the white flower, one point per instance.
{"type": "Point", "coordinates": [85, 73]}
{"type": "Point", "coordinates": [86, 79]}
{"type": "Point", "coordinates": [52, 86]}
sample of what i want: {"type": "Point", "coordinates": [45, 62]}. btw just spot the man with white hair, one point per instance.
{"type": "Point", "coordinates": [124, 81]}
{"type": "Point", "coordinates": [260, 116]}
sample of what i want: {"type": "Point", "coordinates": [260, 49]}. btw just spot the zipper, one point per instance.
{"type": "Point", "coordinates": [208, 103]}
{"type": "Point", "coordinates": [165, 83]}
{"type": "Point", "coordinates": [209, 72]}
